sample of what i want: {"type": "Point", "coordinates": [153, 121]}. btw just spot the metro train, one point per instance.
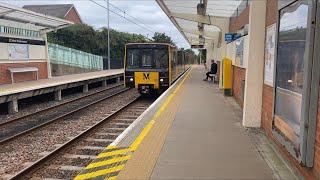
{"type": "Point", "coordinates": [153, 67]}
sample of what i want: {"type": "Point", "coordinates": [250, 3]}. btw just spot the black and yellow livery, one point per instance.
{"type": "Point", "coordinates": [153, 67]}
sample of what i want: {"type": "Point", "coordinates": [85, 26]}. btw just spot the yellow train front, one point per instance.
{"type": "Point", "coordinates": [152, 67]}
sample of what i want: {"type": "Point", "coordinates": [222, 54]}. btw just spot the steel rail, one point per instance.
{"type": "Point", "coordinates": [58, 105]}
{"type": "Point", "coordinates": [59, 117]}
{"type": "Point", "coordinates": [51, 155]}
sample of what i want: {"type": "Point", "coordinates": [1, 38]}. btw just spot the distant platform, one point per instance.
{"type": "Point", "coordinates": [13, 92]}
{"type": "Point", "coordinates": [8, 89]}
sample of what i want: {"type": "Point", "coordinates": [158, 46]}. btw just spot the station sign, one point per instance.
{"type": "Point", "coordinates": [197, 46]}
{"type": "Point", "coordinates": [22, 41]}
{"type": "Point", "coordinates": [229, 37]}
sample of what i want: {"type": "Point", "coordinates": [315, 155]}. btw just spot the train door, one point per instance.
{"type": "Point", "coordinates": [297, 79]}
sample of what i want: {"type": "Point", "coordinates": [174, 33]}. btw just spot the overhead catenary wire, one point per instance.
{"type": "Point", "coordinates": [125, 13]}
{"type": "Point", "coordinates": [122, 16]}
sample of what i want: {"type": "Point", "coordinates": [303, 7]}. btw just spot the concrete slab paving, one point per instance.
{"type": "Point", "coordinates": [206, 140]}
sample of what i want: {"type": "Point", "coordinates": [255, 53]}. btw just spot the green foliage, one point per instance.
{"type": "Point", "coordinates": [84, 38]}
{"type": "Point", "coordinates": [162, 38]}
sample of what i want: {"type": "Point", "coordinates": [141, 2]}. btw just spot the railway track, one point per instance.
{"type": "Point", "coordinates": [66, 161]}
{"type": "Point", "coordinates": [17, 127]}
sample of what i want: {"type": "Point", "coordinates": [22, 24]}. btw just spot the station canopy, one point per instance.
{"type": "Point", "coordinates": [194, 18]}
{"type": "Point", "coordinates": [40, 21]}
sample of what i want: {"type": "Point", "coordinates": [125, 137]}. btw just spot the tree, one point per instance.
{"type": "Point", "coordinates": [162, 38]}
{"type": "Point", "coordinates": [84, 38]}
{"type": "Point", "coordinates": [80, 36]}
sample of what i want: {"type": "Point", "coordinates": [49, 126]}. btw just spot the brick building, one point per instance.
{"type": "Point", "coordinates": [63, 11]}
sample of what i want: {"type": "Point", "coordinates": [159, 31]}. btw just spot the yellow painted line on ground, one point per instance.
{"type": "Point", "coordinates": [133, 146]}
{"type": "Point", "coordinates": [147, 129]}
{"type": "Point", "coordinates": [112, 153]}
{"type": "Point", "coordinates": [111, 147]}
{"type": "Point", "coordinates": [139, 139]}
{"type": "Point", "coordinates": [99, 173]}
{"type": "Point", "coordinates": [108, 162]}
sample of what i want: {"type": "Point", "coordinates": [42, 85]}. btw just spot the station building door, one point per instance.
{"type": "Point", "coordinates": [297, 78]}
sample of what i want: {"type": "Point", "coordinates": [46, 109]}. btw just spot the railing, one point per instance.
{"type": "Point", "coordinates": [62, 55]}
{"type": "Point", "coordinates": [18, 31]}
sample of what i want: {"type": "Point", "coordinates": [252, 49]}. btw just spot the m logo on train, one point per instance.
{"type": "Point", "coordinates": [146, 76]}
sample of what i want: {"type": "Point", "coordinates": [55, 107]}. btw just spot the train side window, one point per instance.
{"type": "Point", "coordinates": [133, 58]}
{"type": "Point", "coordinates": [146, 58]}
{"type": "Point", "coordinates": [161, 58]}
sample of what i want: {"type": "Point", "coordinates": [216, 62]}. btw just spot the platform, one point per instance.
{"type": "Point", "coordinates": [7, 89]}
{"type": "Point", "coordinates": [191, 132]}
{"type": "Point", "coordinates": [11, 93]}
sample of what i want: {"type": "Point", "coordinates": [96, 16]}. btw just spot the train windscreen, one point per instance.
{"type": "Point", "coordinates": [147, 59]}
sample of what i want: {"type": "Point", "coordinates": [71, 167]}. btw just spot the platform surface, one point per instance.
{"type": "Point", "coordinates": [8, 89]}
{"type": "Point", "coordinates": [197, 136]}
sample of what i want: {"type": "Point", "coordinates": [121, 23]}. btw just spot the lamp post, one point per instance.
{"type": "Point", "coordinates": [109, 66]}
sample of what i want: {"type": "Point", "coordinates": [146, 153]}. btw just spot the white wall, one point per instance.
{"type": "Point", "coordinates": [246, 51]}
{"type": "Point", "coordinates": [4, 55]}
{"type": "Point", "coordinates": [37, 52]}
{"type": "Point", "coordinates": [231, 52]}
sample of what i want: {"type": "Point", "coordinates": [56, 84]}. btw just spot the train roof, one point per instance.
{"type": "Point", "coordinates": [152, 43]}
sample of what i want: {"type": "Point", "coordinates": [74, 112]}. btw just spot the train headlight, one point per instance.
{"type": "Point", "coordinates": [131, 79]}
{"type": "Point", "coordinates": [161, 80]}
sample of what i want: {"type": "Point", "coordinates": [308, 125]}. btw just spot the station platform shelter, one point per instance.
{"type": "Point", "coordinates": [24, 52]}
{"type": "Point", "coordinates": [191, 132]}
{"type": "Point", "coordinates": [267, 52]}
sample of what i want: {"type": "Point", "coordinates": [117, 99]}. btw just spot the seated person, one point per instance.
{"type": "Point", "coordinates": [213, 70]}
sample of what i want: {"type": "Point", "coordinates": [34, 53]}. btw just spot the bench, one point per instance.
{"type": "Point", "coordinates": [213, 77]}
{"type": "Point", "coordinates": [23, 70]}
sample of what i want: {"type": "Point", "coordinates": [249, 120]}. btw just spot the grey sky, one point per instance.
{"type": "Point", "coordinates": [147, 11]}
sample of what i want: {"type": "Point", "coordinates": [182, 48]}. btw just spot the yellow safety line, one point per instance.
{"type": "Point", "coordinates": [111, 147]}
{"type": "Point", "coordinates": [133, 146]}
{"type": "Point", "coordinates": [112, 153]}
{"type": "Point", "coordinates": [107, 162]}
{"type": "Point", "coordinates": [99, 173]}
{"type": "Point", "coordinates": [147, 129]}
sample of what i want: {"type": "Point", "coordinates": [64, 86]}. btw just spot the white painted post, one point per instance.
{"type": "Point", "coordinates": [47, 56]}
{"type": "Point", "coordinates": [254, 71]}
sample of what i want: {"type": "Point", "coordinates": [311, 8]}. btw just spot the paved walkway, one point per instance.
{"type": "Point", "coordinates": [206, 139]}
{"type": "Point", "coordinates": [199, 136]}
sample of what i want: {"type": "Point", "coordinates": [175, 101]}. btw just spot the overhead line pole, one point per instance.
{"type": "Point", "coordinates": [109, 37]}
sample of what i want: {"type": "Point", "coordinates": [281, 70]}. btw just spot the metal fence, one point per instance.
{"type": "Point", "coordinates": [62, 55]}
{"type": "Point", "coordinates": [116, 63]}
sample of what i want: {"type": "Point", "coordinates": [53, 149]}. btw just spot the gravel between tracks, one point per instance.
{"type": "Point", "coordinates": [15, 155]}
{"type": "Point", "coordinates": [51, 169]}
{"type": "Point", "coordinates": [27, 123]}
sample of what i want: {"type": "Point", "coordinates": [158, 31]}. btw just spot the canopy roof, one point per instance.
{"type": "Point", "coordinates": [195, 18]}
{"type": "Point", "coordinates": [40, 21]}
